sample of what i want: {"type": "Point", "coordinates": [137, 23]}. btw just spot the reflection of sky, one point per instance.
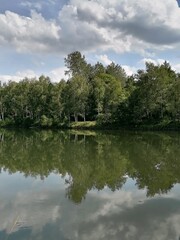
{"type": "Point", "coordinates": [17, 182]}
{"type": "Point", "coordinates": [34, 209]}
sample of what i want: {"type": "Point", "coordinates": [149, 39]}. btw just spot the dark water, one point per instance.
{"type": "Point", "coordinates": [89, 185]}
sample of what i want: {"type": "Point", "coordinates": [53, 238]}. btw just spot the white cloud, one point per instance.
{"type": "Point", "coordinates": [28, 34]}
{"type": "Point", "coordinates": [121, 26]}
{"type": "Point", "coordinates": [176, 67]}
{"type": "Point", "coordinates": [129, 70]}
{"type": "Point", "coordinates": [57, 74]}
{"type": "Point", "coordinates": [104, 59]}
{"type": "Point", "coordinates": [154, 61]}
{"type": "Point", "coordinates": [132, 26]}
{"type": "Point", "coordinates": [18, 76]}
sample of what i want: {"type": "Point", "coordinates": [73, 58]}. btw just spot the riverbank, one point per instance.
{"type": "Point", "coordinates": [94, 125]}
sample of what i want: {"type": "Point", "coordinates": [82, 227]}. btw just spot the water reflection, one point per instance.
{"type": "Point", "coordinates": [40, 211]}
{"type": "Point", "coordinates": [73, 165]}
{"type": "Point", "coordinates": [94, 160]}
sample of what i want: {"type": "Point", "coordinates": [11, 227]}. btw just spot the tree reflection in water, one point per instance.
{"type": "Point", "coordinates": [93, 160]}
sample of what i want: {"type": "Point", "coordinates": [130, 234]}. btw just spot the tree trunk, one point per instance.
{"type": "Point", "coordinates": [84, 117]}
{"type": "Point", "coordinates": [75, 117]}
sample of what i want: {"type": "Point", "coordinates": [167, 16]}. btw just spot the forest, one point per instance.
{"type": "Point", "coordinates": [104, 94]}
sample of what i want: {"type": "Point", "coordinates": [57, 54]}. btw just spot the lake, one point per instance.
{"type": "Point", "coordinates": [72, 185]}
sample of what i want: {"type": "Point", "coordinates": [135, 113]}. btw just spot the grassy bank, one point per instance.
{"type": "Point", "coordinates": [84, 125]}
{"type": "Point", "coordinates": [93, 125]}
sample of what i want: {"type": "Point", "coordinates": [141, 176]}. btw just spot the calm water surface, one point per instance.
{"type": "Point", "coordinates": [89, 185]}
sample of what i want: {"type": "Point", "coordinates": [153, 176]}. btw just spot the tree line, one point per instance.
{"type": "Point", "coordinates": [93, 92]}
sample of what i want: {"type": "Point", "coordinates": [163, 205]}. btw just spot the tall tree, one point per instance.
{"type": "Point", "coordinates": [118, 72]}
{"type": "Point", "coordinates": [149, 100]}
{"type": "Point", "coordinates": [76, 96]}
{"type": "Point", "coordinates": [108, 94]}
{"type": "Point", "coordinates": [76, 65]}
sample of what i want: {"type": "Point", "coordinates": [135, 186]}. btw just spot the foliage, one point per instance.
{"type": "Point", "coordinates": [94, 92]}
{"type": "Point", "coordinates": [154, 97]}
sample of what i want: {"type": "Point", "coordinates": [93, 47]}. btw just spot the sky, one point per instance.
{"type": "Point", "coordinates": [36, 35]}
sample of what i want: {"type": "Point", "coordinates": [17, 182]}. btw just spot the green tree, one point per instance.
{"type": "Point", "coordinates": [107, 93]}
{"type": "Point", "coordinates": [77, 65]}
{"type": "Point", "coordinates": [149, 100]}
{"type": "Point", "coordinates": [76, 96]}
{"type": "Point", "coordinates": [118, 72]}
{"type": "Point", "coordinates": [173, 100]}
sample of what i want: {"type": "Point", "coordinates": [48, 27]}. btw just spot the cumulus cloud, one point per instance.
{"type": "Point", "coordinates": [175, 66]}
{"type": "Point", "coordinates": [104, 59]}
{"type": "Point", "coordinates": [133, 25]}
{"type": "Point", "coordinates": [122, 26]}
{"type": "Point", "coordinates": [57, 74]}
{"type": "Point", "coordinates": [154, 61]}
{"type": "Point", "coordinates": [18, 76]}
{"type": "Point", "coordinates": [129, 70]}
{"type": "Point", "coordinates": [28, 34]}
{"type": "Point", "coordinates": [77, 34]}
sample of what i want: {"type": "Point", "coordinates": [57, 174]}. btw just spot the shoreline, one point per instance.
{"type": "Point", "coordinates": [93, 125]}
